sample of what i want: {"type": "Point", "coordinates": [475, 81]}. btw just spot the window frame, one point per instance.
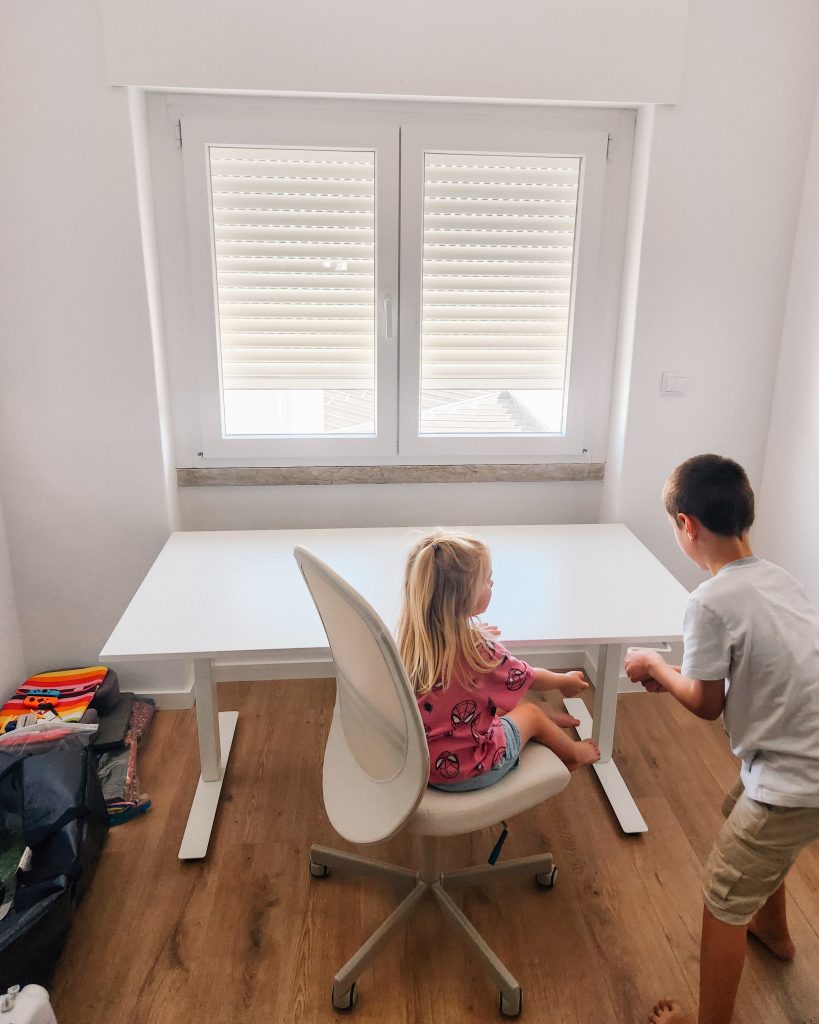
{"type": "Point", "coordinates": [416, 142]}
{"type": "Point", "coordinates": [199, 136]}
{"type": "Point", "coordinates": [261, 118]}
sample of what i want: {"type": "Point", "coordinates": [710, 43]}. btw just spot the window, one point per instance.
{"type": "Point", "coordinates": [412, 285]}
{"type": "Point", "coordinates": [294, 248]}
{"type": "Point", "coordinates": [498, 255]}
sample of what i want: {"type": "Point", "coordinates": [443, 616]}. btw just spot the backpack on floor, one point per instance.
{"type": "Point", "coordinates": [52, 803]}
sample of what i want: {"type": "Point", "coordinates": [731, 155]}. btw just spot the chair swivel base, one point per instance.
{"type": "Point", "coordinates": [430, 881]}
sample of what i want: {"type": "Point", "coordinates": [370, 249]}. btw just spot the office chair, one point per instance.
{"type": "Point", "coordinates": [376, 768]}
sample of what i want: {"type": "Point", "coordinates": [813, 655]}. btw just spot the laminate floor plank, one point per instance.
{"type": "Point", "coordinates": [248, 935]}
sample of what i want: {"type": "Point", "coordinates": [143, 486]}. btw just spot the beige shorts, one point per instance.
{"type": "Point", "coordinates": [752, 854]}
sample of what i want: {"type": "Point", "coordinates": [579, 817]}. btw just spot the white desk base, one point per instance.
{"type": "Point", "coordinates": [216, 729]}
{"type": "Point", "coordinates": [601, 729]}
{"type": "Point", "coordinates": [206, 799]}
{"type": "Point", "coordinates": [622, 802]}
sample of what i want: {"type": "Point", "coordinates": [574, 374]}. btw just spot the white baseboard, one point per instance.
{"type": "Point", "coordinates": [170, 700]}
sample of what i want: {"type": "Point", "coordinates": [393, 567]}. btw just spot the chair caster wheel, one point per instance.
{"type": "Point", "coordinates": [344, 1000]}
{"type": "Point", "coordinates": [546, 879]}
{"type": "Point", "coordinates": [511, 1007]}
{"type": "Point", "coordinates": [319, 870]}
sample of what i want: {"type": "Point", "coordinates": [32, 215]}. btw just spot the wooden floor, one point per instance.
{"type": "Point", "coordinates": [247, 936]}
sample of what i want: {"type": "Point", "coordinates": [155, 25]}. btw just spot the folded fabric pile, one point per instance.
{"type": "Point", "coordinates": [47, 706]}
{"type": "Point", "coordinates": [117, 766]}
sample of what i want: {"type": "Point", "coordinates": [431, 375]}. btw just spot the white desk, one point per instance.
{"type": "Point", "coordinates": [210, 595]}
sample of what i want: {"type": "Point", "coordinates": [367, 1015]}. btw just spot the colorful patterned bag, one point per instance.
{"type": "Point", "coordinates": [65, 694]}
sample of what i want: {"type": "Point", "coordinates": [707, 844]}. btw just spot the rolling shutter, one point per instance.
{"type": "Point", "coordinates": [294, 242]}
{"type": "Point", "coordinates": [499, 236]}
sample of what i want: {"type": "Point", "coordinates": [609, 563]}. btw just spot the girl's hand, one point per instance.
{"type": "Point", "coordinates": [490, 630]}
{"type": "Point", "coordinates": [574, 683]}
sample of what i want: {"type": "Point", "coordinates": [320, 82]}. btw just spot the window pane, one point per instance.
{"type": "Point", "coordinates": [499, 234]}
{"type": "Point", "coordinates": [294, 238]}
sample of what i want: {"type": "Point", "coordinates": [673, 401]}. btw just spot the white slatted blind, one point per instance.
{"type": "Point", "coordinates": [294, 240]}
{"type": "Point", "coordinates": [499, 234]}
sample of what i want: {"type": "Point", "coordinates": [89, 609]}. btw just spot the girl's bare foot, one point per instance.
{"type": "Point", "coordinates": [563, 719]}
{"type": "Point", "coordinates": [668, 1011]}
{"type": "Point", "coordinates": [781, 945]}
{"type": "Point", "coordinates": [583, 752]}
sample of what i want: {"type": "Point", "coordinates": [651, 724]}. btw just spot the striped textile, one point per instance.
{"type": "Point", "coordinates": [64, 694]}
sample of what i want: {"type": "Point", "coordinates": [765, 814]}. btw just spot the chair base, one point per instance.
{"type": "Point", "coordinates": [430, 881]}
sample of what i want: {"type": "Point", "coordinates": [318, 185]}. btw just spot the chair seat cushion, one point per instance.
{"type": "Point", "coordinates": [540, 775]}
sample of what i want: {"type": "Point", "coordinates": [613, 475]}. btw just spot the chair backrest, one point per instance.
{"type": "Point", "coordinates": [376, 762]}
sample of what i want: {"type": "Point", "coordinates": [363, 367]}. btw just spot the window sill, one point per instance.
{"type": "Point", "coordinates": [236, 476]}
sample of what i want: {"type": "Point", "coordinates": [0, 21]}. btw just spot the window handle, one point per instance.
{"type": "Point", "coordinates": [388, 328]}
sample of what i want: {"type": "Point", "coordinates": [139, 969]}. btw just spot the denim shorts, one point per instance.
{"type": "Point", "coordinates": [510, 759]}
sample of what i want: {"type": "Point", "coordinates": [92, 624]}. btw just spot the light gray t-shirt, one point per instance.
{"type": "Point", "coordinates": [753, 625]}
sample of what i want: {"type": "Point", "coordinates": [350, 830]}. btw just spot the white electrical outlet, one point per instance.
{"type": "Point", "coordinates": [673, 383]}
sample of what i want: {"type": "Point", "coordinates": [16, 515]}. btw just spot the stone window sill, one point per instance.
{"type": "Point", "coordinates": [236, 476]}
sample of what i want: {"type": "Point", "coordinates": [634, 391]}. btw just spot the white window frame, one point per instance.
{"type": "Point", "coordinates": [418, 140]}
{"type": "Point", "coordinates": [187, 272]}
{"type": "Point", "coordinates": [199, 136]}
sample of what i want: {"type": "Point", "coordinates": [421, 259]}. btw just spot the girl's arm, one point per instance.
{"type": "Point", "coordinates": [570, 684]}
{"type": "Point", "coordinates": [704, 697]}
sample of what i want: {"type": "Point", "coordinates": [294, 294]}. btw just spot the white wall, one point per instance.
{"type": "Point", "coordinates": [12, 665]}
{"type": "Point", "coordinates": [723, 200]}
{"type": "Point", "coordinates": [613, 51]}
{"type": "Point", "coordinates": [258, 508]}
{"type": "Point", "coordinates": [788, 506]}
{"type": "Point", "coordinates": [80, 442]}
{"type": "Point", "coordinates": [82, 475]}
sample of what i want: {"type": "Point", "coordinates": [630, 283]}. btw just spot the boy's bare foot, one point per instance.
{"type": "Point", "coordinates": [583, 752]}
{"type": "Point", "coordinates": [563, 719]}
{"type": "Point", "coordinates": [781, 946]}
{"type": "Point", "coordinates": [668, 1011]}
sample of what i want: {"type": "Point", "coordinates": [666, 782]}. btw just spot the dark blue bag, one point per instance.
{"type": "Point", "coordinates": [55, 802]}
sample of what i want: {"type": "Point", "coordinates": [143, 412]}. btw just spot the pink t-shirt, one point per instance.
{"type": "Point", "coordinates": [462, 723]}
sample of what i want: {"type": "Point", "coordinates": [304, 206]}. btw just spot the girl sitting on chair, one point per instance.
{"type": "Point", "coordinates": [467, 684]}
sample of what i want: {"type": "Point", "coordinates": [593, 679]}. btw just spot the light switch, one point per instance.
{"type": "Point", "coordinates": [673, 383]}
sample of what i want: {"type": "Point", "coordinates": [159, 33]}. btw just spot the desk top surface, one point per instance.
{"type": "Point", "coordinates": [218, 593]}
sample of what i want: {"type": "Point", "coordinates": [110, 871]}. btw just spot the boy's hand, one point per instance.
{"type": "Point", "coordinates": [653, 686]}
{"type": "Point", "coordinates": [574, 683]}
{"type": "Point", "coordinates": [638, 663]}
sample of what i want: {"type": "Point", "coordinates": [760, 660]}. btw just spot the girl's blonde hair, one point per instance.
{"type": "Point", "coordinates": [444, 576]}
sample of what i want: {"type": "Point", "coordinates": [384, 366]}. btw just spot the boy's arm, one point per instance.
{"type": "Point", "coordinates": [704, 697]}
{"type": "Point", "coordinates": [570, 684]}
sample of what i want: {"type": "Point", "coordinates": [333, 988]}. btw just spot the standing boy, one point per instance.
{"type": "Point", "coordinates": [751, 643]}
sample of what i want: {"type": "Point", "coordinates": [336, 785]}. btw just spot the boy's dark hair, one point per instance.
{"type": "Point", "coordinates": [714, 490]}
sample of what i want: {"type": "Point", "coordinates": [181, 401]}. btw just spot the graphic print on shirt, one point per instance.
{"type": "Point", "coordinates": [515, 678]}
{"type": "Point", "coordinates": [463, 713]}
{"type": "Point", "coordinates": [464, 734]}
{"type": "Point", "coordinates": [447, 764]}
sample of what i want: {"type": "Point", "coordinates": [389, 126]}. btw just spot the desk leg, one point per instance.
{"type": "Point", "coordinates": [215, 738]}
{"type": "Point", "coordinates": [607, 681]}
